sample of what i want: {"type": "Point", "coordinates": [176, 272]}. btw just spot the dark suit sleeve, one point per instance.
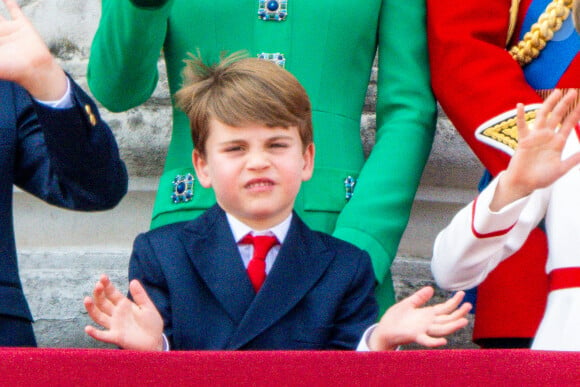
{"type": "Point", "coordinates": [358, 309]}
{"type": "Point", "coordinates": [144, 266]}
{"type": "Point", "coordinates": [68, 157]}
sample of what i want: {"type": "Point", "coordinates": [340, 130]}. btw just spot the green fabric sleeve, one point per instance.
{"type": "Point", "coordinates": [376, 216]}
{"type": "Point", "coordinates": [129, 40]}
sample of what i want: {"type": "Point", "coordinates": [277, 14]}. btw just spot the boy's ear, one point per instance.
{"type": "Point", "coordinates": [201, 169]}
{"type": "Point", "coordinates": [308, 167]}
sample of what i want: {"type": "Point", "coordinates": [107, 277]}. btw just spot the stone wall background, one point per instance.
{"type": "Point", "coordinates": [62, 253]}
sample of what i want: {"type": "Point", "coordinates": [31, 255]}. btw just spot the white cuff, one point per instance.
{"type": "Point", "coordinates": [63, 103]}
{"type": "Point", "coordinates": [486, 221]}
{"type": "Point", "coordinates": [165, 343]}
{"type": "Point", "coordinates": [363, 345]}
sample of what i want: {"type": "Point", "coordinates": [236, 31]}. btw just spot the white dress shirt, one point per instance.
{"type": "Point", "coordinates": [240, 230]}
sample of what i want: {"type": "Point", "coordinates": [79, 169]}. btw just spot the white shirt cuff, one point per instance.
{"type": "Point", "coordinates": [165, 343]}
{"type": "Point", "coordinates": [363, 345]}
{"type": "Point", "coordinates": [63, 103]}
{"type": "Point", "coordinates": [486, 221]}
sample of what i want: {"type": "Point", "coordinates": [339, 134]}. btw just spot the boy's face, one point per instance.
{"type": "Point", "coordinates": [254, 170]}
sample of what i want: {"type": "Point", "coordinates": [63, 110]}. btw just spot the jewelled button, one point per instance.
{"type": "Point", "coordinates": [274, 57]}
{"type": "Point", "coordinates": [349, 183]}
{"type": "Point", "coordinates": [272, 10]}
{"type": "Point", "coordinates": [182, 188]}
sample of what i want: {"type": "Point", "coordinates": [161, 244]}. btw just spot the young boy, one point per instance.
{"type": "Point", "coordinates": [53, 145]}
{"type": "Point", "coordinates": [540, 183]}
{"type": "Point", "coordinates": [251, 126]}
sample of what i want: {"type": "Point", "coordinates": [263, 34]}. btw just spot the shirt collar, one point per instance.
{"type": "Point", "coordinates": [240, 229]}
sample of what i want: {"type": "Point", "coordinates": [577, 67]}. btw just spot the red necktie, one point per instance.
{"type": "Point", "coordinates": [257, 267]}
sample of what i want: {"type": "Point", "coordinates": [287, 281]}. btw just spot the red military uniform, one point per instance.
{"type": "Point", "coordinates": [478, 84]}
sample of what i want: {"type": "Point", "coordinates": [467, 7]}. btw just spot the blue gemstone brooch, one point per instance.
{"type": "Point", "coordinates": [274, 57]}
{"type": "Point", "coordinates": [349, 184]}
{"type": "Point", "coordinates": [182, 188]}
{"type": "Point", "coordinates": [272, 10]}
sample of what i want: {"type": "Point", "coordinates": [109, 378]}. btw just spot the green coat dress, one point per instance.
{"type": "Point", "coordinates": [329, 46]}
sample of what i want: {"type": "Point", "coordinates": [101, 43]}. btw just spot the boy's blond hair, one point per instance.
{"type": "Point", "coordinates": [241, 91]}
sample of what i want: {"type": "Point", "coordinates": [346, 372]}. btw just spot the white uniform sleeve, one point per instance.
{"type": "Point", "coordinates": [477, 239]}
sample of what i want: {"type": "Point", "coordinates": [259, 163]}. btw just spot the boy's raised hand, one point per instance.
{"type": "Point", "coordinates": [129, 325]}
{"type": "Point", "coordinates": [409, 321]}
{"type": "Point", "coordinates": [25, 58]}
{"type": "Point", "coordinates": [537, 161]}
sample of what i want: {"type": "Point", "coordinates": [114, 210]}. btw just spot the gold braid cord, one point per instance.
{"type": "Point", "coordinates": [506, 131]}
{"type": "Point", "coordinates": [541, 32]}
{"type": "Point", "coordinates": [501, 132]}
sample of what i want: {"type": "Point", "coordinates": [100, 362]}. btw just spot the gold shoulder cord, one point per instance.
{"type": "Point", "coordinates": [541, 32]}
{"type": "Point", "coordinates": [502, 132]}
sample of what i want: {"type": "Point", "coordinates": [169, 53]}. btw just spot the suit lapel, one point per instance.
{"type": "Point", "coordinates": [301, 261]}
{"type": "Point", "coordinates": [213, 251]}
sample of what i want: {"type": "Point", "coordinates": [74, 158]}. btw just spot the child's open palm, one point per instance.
{"type": "Point", "coordinates": [537, 161]}
{"type": "Point", "coordinates": [540, 149]}
{"type": "Point", "coordinates": [411, 321]}
{"type": "Point", "coordinates": [130, 325]}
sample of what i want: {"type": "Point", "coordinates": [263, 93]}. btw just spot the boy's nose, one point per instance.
{"type": "Point", "coordinates": [258, 160]}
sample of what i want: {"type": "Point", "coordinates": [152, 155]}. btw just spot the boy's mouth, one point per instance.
{"type": "Point", "coordinates": [257, 184]}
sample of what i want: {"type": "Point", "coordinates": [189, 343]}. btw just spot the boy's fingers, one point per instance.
{"type": "Point", "coordinates": [570, 162]}
{"type": "Point", "coordinates": [428, 341]}
{"type": "Point", "coordinates": [570, 123]}
{"type": "Point", "coordinates": [521, 120]}
{"type": "Point", "coordinates": [574, 116]}
{"type": "Point", "coordinates": [557, 114]}
{"type": "Point", "coordinates": [96, 314]}
{"type": "Point", "coordinates": [547, 107]}
{"type": "Point", "coordinates": [110, 292]}
{"type": "Point", "coordinates": [99, 293]}
{"type": "Point", "coordinates": [139, 294]}
{"type": "Point", "coordinates": [13, 9]}
{"type": "Point", "coordinates": [104, 336]}
{"type": "Point", "coordinates": [456, 314]}
{"type": "Point", "coordinates": [462, 311]}
{"type": "Point", "coordinates": [100, 299]}
{"type": "Point", "coordinates": [440, 330]}
{"type": "Point", "coordinates": [113, 294]}
{"type": "Point", "coordinates": [450, 305]}
{"type": "Point", "coordinates": [420, 297]}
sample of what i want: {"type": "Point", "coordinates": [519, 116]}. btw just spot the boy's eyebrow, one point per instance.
{"type": "Point", "coordinates": [269, 139]}
{"type": "Point", "coordinates": [234, 141]}
{"type": "Point", "coordinates": [280, 137]}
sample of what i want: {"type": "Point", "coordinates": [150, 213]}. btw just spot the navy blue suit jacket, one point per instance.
{"type": "Point", "coordinates": [318, 295]}
{"type": "Point", "coordinates": [66, 157]}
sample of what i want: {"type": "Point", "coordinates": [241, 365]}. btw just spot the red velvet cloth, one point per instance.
{"type": "Point", "coordinates": [98, 367]}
